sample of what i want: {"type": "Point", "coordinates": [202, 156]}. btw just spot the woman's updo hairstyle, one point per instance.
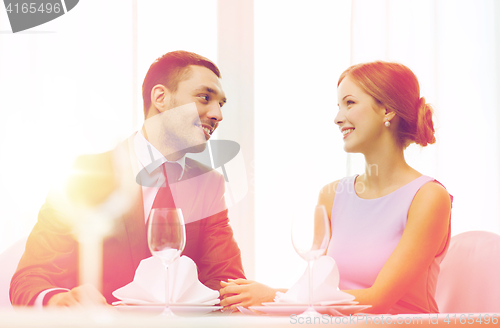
{"type": "Point", "coordinates": [396, 88]}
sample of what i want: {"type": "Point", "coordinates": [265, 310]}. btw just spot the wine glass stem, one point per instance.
{"type": "Point", "coordinates": [167, 291]}
{"type": "Point", "coordinates": [309, 266]}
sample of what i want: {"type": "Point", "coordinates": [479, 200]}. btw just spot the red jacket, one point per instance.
{"type": "Point", "coordinates": [51, 256]}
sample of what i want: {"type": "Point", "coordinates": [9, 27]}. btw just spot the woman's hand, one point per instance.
{"type": "Point", "coordinates": [241, 292]}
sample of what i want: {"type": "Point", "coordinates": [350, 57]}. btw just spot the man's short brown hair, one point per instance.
{"type": "Point", "coordinates": [169, 70]}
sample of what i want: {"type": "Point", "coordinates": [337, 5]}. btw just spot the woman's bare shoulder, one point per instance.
{"type": "Point", "coordinates": [430, 211]}
{"type": "Point", "coordinates": [327, 196]}
{"type": "Point", "coordinates": [433, 193]}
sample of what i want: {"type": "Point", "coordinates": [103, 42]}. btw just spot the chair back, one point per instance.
{"type": "Point", "coordinates": [469, 281]}
{"type": "Point", "coordinates": [9, 260]}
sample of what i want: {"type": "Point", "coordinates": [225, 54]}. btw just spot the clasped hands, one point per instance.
{"type": "Point", "coordinates": [242, 292]}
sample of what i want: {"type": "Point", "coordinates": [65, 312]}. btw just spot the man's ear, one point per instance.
{"type": "Point", "coordinates": [160, 97]}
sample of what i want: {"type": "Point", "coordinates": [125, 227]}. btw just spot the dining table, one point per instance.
{"type": "Point", "coordinates": [109, 317]}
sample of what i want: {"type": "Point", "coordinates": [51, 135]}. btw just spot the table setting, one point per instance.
{"type": "Point", "coordinates": [170, 281]}
{"type": "Point", "coordinates": [166, 283]}
{"type": "Point", "coordinates": [187, 296]}
{"type": "Point", "coordinates": [326, 299]}
{"type": "Point", "coordinates": [316, 292]}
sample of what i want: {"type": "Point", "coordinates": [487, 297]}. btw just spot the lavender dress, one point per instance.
{"type": "Point", "coordinates": [365, 232]}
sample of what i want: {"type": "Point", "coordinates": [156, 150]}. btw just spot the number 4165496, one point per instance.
{"type": "Point", "coordinates": [32, 8]}
{"type": "Point", "coordinates": [471, 319]}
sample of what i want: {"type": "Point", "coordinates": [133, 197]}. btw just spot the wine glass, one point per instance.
{"type": "Point", "coordinates": [166, 240]}
{"type": "Point", "coordinates": [310, 237]}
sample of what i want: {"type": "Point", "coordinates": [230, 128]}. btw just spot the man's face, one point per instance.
{"type": "Point", "coordinates": [192, 115]}
{"type": "Point", "coordinates": [205, 90]}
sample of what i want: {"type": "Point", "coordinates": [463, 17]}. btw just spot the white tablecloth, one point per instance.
{"type": "Point", "coordinates": [64, 318]}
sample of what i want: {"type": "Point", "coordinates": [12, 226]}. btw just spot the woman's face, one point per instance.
{"type": "Point", "coordinates": [360, 118]}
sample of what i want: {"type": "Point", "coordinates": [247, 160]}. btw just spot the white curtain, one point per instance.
{"type": "Point", "coordinates": [300, 50]}
{"type": "Point", "coordinates": [65, 90]}
{"type": "Point", "coordinates": [72, 86]}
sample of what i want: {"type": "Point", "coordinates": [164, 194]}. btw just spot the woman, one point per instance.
{"type": "Point", "coordinates": [391, 224]}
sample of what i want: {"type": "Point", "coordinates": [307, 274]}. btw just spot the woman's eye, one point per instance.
{"type": "Point", "coordinates": [204, 97]}
{"type": "Point", "coordinates": [350, 103]}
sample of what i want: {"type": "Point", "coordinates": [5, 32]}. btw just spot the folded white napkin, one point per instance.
{"type": "Point", "coordinates": [148, 285]}
{"type": "Point", "coordinates": [325, 285]}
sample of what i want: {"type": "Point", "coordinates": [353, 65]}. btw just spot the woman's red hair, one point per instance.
{"type": "Point", "coordinates": [395, 87]}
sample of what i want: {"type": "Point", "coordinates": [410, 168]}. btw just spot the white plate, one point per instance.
{"type": "Point", "coordinates": [325, 303]}
{"type": "Point", "coordinates": [298, 309]}
{"type": "Point", "coordinates": [119, 303]}
{"type": "Point", "coordinates": [179, 309]}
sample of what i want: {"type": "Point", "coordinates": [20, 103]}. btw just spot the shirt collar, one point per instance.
{"type": "Point", "coordinates": [150, 157]}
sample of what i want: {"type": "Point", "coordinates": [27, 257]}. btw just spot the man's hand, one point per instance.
{"type": "Point", "coordinates": [81, 296]}
{"type": "Point", "coordinates": [241, 292]}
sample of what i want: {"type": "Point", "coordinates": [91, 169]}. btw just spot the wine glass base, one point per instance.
{"type": "Point", "coordinates": [310, 312]}
{"type": "Point", "coordinates": [167, 313]}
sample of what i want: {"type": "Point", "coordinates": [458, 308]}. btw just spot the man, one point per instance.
{"type": "Point", "coordinates": [183, 96]}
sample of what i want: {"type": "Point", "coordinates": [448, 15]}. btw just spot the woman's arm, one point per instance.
{"type": "Point", "coordinates": [327, 196]}
{"type": "Point", "coordinates": [424, 237]}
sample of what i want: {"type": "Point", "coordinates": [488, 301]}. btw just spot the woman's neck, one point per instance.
{"type": "Point", "coordinates": [386, 169]}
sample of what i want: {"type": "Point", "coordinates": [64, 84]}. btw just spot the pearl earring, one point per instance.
{"type": "Point", "coordinates": [387, 123]}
